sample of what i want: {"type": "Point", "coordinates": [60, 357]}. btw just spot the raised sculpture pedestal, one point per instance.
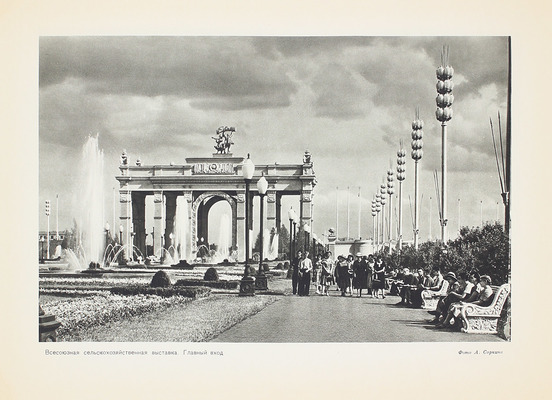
{"type": "Point", "coordinates": [47, 326]}
{"type": "Point", "coordinates": [247, 286]}
{"type": "Point", "coordinates": [261, 282]}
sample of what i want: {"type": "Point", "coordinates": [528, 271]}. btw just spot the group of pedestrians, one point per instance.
{"type": "Point", "coordinates": [350, 274]}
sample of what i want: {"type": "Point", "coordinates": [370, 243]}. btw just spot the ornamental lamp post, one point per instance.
{"type": "Point", "coordinates": [290, 217]}
{"type": "Point", "coordinates": [374, 214]}
{"type": "Point", "coordinates": [306, 229]}
{"type": "Point", "coordinates": [42, 249]}
{"type": "Point", "coordinates": [106, 227]}
{"type": "Point", "coordinates": [383, 191]}
{"type": "Point", "coordinates": [261, 282]}
{"type": "Point", "coordinates": [121, 228]}
{"type": "Point", "coordinates": [417, 154]}
{"type": "Point", "coordinates": [295, 220]}
{"type": "Point", "coordinates": [390, 191]}
{"type": "Point", "coordinates": [443, 114]}
{"type": "Point", "coordinates": [47, 212]}
{"type": "Point", "coordinates": [247, 284]}
{"type": "Point", "coordinates": [378, 210]}
{"type": "Point", "coordinates": [401, 154]}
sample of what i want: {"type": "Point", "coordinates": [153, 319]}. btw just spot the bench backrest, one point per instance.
{"type": "Point", "coordinates": [500, 295]}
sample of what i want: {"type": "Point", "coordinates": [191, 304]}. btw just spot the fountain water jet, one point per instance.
{"type": "Point", "coordinates": [180, 229]}
{"type": "Point", "coordinates": [88, 204]}
{"type": "Point", "coordinates": [224, 241]}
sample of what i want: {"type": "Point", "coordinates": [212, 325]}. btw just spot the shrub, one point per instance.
{"type": "Point", "coordinates": [193, 292]}
{"type": "Point", "coordinates": [211, 284]}
{"type": "Point", "coordinates": [160, 279]}
{"type": "Point", "coordinates": [486, 249]}
{"type": "Point", "coordinates": [211, 275]}
{"type": "Point", "coordinates": [279, 266]}
{"type": "Point", "coordinates": [265, 267]}
{"type": "Point", "coordinates": [251, 270]}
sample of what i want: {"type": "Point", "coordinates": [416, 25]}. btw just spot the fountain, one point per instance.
{"type": "Point", "coordinates": [180, 229]}
{"type": "Point", "coordinates": [223, 252]}
{"type": "Point", "coordinates": [88, 208]}
{"type": "Point", "coordinates": [272, 253]}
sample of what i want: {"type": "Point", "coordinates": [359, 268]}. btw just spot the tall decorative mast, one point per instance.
{"type": "Point", "coordinates": [444, 114]}
{"type": "Point", "coordinates": [401, 154]}
{"type": "Point", "coordinates": [374, 214]}
{"type": "Point", "coordinates": [417, 154]}
{"type": "Point", "coordinates": [390, 191]}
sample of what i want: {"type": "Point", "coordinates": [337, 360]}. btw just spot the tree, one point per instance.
{"type": "Point", "coordinates": [283, 240]}
{"type": "Point", "coordinates": [485, 249]}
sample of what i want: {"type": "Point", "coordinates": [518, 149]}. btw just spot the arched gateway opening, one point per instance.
{"type": "Point", "coordinates": [186, 193]}
{"type": "Point", "coordinates": [200, 224]}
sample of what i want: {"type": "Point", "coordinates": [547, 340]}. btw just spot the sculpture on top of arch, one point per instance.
{"type": "Point", "coordinates": [223, 140]}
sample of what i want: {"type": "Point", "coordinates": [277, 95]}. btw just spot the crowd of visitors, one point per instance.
{"type": "Point", "coordinates": [353, 274]}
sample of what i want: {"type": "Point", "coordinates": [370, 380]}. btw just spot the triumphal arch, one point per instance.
{"type": "Point", "coordinates": [201, 182]}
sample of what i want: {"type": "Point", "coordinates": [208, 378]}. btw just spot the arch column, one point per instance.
{"type": "Point", "coordinates": [125, 201]}
{"type": "Point", "coordinates": [158, 227]}
{"type": "Point", "coordinates": [170, 212]}
{"type": "Point", "coordinates": [139, 221]}
{"type": "Point", "coordinates": [278, 207]}
{"type": "Point", "coordinates": [271, 210]}
{"type": "Point", "coordinates": [188, 246]}
{"type": "Point", "coordinates": [306, 209]}
{"type": "Point", "coordinates": [240, 226]}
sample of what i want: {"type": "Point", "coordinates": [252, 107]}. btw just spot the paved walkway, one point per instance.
{"type": "Point", "coordinates": [334, 318]}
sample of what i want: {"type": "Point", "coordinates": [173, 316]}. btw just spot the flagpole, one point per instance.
{"type": "Point", "coordinates": [359, 210]}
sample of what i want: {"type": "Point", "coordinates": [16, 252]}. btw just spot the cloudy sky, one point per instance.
{"type": "Point", "coordinates": [348, 100]}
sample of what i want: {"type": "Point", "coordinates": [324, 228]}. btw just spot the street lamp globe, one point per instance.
{"type": "Point", "coordinates": [248, 169]}
{"type": "Point", "coordinates": [291, 214]}
{"type": "Point", "coordinates": [262, 185]}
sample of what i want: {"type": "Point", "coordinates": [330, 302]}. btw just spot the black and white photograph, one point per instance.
{"type": "Point", "coordinates": [306, 200]}
{"type": "Point", "coordinates": [369, 175]}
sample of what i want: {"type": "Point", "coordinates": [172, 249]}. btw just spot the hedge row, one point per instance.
{"type": "Point", "coordinates": [211, 284]}
{"type": "Point", "coordinates": [185, 291]}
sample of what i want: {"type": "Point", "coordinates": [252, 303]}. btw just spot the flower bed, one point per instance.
{"type": "Point", "coordinates": [91, 281]}
{"type": "Point", "coordinates": [67, 292]}
{"type": "Point", "coordinates": [192, 292]}
{"type": "Point", "coordinates": [82, 313]}
{"type": "Point", "coordinates": [212, 284]}
{"type": "Point", "coordinates": [198, 321]}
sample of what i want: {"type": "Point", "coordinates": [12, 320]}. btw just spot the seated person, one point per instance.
{"type": "Point", "coordinates": [484, 299]}
{"type": "Point", "coordinates": [410, 282]}
{"type": "Point", "coordinates": [460, 290]}
{"type": "Point", "coordinates": [441, 284]}
{"type": "Point", "coordinates": [396, 280]}
{"type": "Point", "coordinates": [424, 281]}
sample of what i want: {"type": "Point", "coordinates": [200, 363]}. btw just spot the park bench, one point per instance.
{"type": "Point", "coordinates": [430, 298]}
{"type": "Point", "coordinates": [478, 319]}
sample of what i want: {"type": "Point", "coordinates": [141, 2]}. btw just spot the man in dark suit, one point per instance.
{"type": "Point", "coordinates": [295, 275]}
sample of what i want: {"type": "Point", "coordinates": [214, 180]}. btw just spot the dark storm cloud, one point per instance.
{"type": "Point", "coordinates": [206, 69]}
